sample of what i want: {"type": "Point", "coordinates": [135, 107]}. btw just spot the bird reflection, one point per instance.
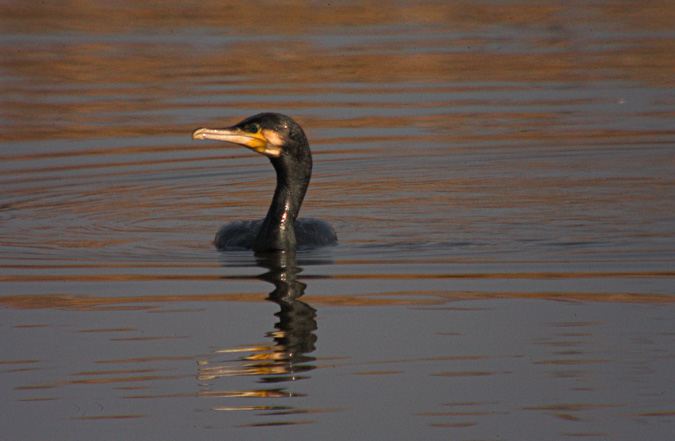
{"type": "Point", "coordinates": [293, 336]}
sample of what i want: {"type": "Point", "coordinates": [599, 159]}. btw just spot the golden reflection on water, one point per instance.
{"type": "Point", "coordinates": [160, 69]}
{"type": "Point", "coordinates": [384, 298]}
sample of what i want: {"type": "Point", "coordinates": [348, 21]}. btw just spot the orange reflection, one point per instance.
{"type": "Point", "coordinates": [171, 68]}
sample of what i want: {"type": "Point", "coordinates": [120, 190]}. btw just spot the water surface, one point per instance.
{"type": "Point", "coordinates": [501, 180]}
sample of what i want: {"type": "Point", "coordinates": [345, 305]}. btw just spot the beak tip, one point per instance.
{"type": "Point", "coordinates": [198, 134]}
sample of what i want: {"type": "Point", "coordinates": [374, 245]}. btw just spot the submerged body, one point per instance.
{"type": "Point", "coordinates": [284, 142]}
{"type": "Point", "coordinates": [241, 235]}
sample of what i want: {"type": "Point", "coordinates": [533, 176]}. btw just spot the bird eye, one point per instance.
{"type": "Point", "coordinates": [252, 128]}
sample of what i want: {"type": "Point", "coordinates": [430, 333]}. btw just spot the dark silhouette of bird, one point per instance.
{"type": "Point", "coordinates": [284, 142]}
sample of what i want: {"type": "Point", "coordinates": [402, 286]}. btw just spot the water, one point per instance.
{"type": "Point", "coordinates": [501, 180]}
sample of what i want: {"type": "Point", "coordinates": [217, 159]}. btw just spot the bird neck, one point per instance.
{"type": "Point", "coordinates": [278, 228]}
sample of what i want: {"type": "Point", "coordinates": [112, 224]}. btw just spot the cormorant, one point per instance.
{"type": "Point", "coordinates": [284, 142]}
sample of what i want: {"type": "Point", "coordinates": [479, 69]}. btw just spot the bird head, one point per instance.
{"type": "Point", "coordinates": [271, 134]}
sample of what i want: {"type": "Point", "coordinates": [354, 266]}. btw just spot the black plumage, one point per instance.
{"type": "Point", "coordinates": [284, 142]}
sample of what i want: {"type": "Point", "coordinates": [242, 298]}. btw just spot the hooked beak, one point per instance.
{"type": "Point", "coordinates": [254, 141]}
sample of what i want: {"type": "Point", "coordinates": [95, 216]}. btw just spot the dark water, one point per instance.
{"type": "Point", "coordinates": [500, 177]}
